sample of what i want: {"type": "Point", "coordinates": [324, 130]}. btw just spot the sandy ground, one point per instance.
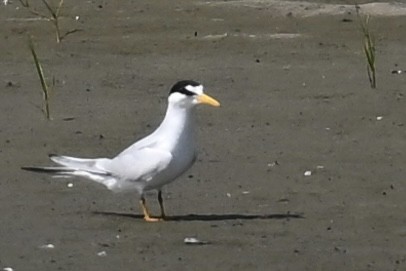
{"type": "Point", "coordinates": [295, 97]}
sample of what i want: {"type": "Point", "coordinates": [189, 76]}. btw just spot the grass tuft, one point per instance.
{"type": "Point", "coordinates": [368, 46]}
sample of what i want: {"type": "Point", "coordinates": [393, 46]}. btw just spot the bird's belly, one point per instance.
{"type": "Point", "coordinates": [177, 167]}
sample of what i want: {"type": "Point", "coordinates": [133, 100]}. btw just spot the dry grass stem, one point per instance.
{"type": "Point", "coordinates": [53, 16]}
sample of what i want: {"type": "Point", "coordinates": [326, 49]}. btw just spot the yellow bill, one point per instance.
{"type": "Point", "coordinates": [206, 99]}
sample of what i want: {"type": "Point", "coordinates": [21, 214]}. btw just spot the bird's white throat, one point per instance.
{"type": "Point", "coordinates": [178, 126]}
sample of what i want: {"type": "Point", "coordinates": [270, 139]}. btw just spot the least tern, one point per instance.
{"type": "Point", "coordinates": [151, 162]}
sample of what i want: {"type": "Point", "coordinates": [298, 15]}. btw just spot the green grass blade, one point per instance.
{"type": "Point", "coordinates": [41, 78]}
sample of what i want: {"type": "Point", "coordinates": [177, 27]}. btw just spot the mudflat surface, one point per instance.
{"type": "Point", "coordinates": [291, 77]}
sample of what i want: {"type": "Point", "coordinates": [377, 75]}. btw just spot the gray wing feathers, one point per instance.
{"type": "Point", "coordinates": [141, 164]}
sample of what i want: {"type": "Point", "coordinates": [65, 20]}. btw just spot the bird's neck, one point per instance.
{"type": "Point", "coordinates": [178, 124]}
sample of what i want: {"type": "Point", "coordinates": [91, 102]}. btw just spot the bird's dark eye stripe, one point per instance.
{"type": "Point", "coordinates": [186, 92]}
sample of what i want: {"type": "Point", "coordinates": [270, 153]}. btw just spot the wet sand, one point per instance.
{"type": "Point", "coordinates": [295, 97]}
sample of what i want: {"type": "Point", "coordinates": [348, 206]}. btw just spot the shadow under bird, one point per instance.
{"type": "Point", "coordinates": [151, 162]}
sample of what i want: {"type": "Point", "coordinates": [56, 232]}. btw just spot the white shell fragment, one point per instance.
{"type": "Point", "coordinates": [228, 195]}
{"type": "Point", "coordinates": [47, 246]}
{"type": "Point", "coordinates": [102, 253]}
{"type": "Point", "coordinates": [307, 173]}
{"type": "Point", "coordinates": [215, 37]}
{"type": "Point", "coordinates": [194, 241]}
{"type": "Point", "coordinates": [8, 269]}
{"type": "Point", "coordinates": [69, 185]}
{"type": "Point", "coordinates": [275, 163]}
{"type": "Point", "coordinates": [379, 118]}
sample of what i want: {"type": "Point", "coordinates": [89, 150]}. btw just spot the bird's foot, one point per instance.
{"type": "Point", "coordinates": [152, 219]}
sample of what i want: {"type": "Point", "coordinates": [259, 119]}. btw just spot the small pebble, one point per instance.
{"type": "Point", "coordinates": [308, 173]}
{"type": "Point", "coordinates": [275, 163]}
{"type": "Point", "coordinates": [228, 195]}
{"type": "Point", "coordinates": [102, 253]}
{"type": "Point", "coordinates": [194, 241]}
{"type": "Point", "coordinates": [47, 246]}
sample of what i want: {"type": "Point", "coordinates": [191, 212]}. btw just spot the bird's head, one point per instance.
{"type": "Point", "coordinates": [189, 93]}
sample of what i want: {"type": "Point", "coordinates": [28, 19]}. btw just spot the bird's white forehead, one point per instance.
{"type": "Point", "coordinates": [196, 89]}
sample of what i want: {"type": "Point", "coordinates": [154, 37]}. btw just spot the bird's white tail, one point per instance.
{"type": "Point", "coordinates": [80, 163]}
{"type": "Point", "coordinates": [93, 169]}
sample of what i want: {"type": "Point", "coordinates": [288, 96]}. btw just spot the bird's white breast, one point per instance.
{"type": "Point", "coordinates": [176, 135]}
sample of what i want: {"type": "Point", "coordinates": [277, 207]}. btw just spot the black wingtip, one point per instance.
{"type": "Point", "coordinates": [35, 169]}
{"type": "Point", "coordinates": [52, 155]}
{"type": "Point", "coordinates": [52, 170]}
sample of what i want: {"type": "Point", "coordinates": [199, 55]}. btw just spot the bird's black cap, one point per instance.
{"type": "Point", "coordinates": [181, 87]}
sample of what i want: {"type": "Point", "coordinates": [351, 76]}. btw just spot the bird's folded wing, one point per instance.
{"type": "Point", "coordinates": [141, 164]}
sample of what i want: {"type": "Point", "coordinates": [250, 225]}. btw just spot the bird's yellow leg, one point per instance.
{"type": "Point", "coordinates": [161, 204]}
{"type": "Point", "coordinates": [147, 217]}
